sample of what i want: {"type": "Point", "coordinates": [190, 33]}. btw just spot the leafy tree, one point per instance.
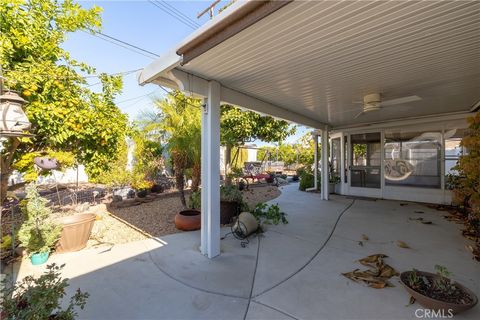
{"type": "Point", "coordinates": [148, 156]}
{"type": "Point", "coordinates": [467, 188]}
{"type": "Point", "coordinates": [300, 153]}
{"type": "Point", "coordinates": [239, 127]}
{"type": "Point", "coordinates": [66, 115]}
{"type": "Point", "coordinates": [180, 121]}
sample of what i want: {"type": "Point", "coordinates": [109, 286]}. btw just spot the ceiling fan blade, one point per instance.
{"type": "Point", "coordinates": [402, 100]}
{"type": "Point", "coordinates": [359, 114]}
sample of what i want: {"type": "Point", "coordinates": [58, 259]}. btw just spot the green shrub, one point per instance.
{"type": "Point", "coordinates": [266, 214]}
{"type": "Point", "coordinates": [307, 181]}
{"type": "Point", "coordinates": [227, 193]}
{"type": "Point", "coordinates": [38, 232]}
{"type": "Point", "coordinates": [230, 193]}
{"type": "Point", "coordinates": [195, 200]}
{"type": "Point", "coordinates": [40, 298]}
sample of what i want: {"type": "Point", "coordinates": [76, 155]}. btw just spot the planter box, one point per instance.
{"type": "Point", "coordinates": [76, 232]}
{"type": "Point", "coordinates": [331, 188]}
{"type": "Point", "coordinates": [228, 210]}
{"type": "Point", "coordinates": [435, 304]}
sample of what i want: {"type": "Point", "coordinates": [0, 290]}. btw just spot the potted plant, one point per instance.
{"type": "Point", "coordinates": [40, 298]}
{"type": "Point", "coordinates": [231, 200]}
{"type": "Point", "coordinates": [332, 183]}
{"type": "Point", "coordinates": [190, 219]}
{"type": "Point", "coordinates": [38, 233]}
{"type": "Point", "coordinates": [437, 291]}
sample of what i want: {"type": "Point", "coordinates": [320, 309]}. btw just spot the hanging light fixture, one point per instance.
{"type": "Point", "coordinates": [13, 121]}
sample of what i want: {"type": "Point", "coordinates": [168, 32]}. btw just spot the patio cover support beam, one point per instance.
{"type": "Point", "coordinates": [210, 222]}
{"type": "Point", "coordinates": [325, 167]}
{"type": "Point", "coordinates": [196, 86]}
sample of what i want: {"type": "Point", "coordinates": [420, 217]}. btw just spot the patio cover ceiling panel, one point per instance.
{"type": "Point", "coordinates": [319, 57]}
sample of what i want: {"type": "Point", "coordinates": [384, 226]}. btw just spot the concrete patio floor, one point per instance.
{"type": "Point", "coordinates": [291, 272]}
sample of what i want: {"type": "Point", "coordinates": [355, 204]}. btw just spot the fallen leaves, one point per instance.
{"type": "Point", "coordinates": [421, 220]}
{"type": "Point", "coordinates": [475, 251]}
{"type": "Point", "coordinates": [402, 244]}
{"type": "Point", "coordinates": [377, 275]}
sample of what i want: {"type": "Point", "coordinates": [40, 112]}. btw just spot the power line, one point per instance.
{"type": "Point", "coordinates": [135, 98]}
{"type": "Point", "coordinates": [175, 13]}
{"type": "Point", "coordinates": [128, 44]}
{"type": "Point", "coordinates": [84, 77]}
{"type": "Point", "coordinates": [180, 13]}
{"type": "Point", "coordinates": [123, 44]}
{"type": "Point", "coordinates": [170, 12]}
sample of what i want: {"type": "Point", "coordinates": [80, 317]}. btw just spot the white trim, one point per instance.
{"type": "Point", "coordinates": [403, 122]}
{"type": "Point", "coordinates": [160, 66]}
{"type": "Point", "coordinates": [204, 181]}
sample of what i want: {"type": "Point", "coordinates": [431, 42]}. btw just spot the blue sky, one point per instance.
{"type": "Point", "coordinates": [143, 24]}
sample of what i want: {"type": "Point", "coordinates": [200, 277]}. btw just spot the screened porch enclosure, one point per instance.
{"type": "Point", "coordinates": [398, 162]}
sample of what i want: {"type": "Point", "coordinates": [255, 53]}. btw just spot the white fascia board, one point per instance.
{"type": "Point", "coordinates": [169, 60]}
{"type": "Point", "coordinates": [231, 10]}
{"type": "Point", "coordinates": [155, 70]}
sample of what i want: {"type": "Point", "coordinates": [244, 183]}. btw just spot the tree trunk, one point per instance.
{"type": "Point", "coordinates": [179, 163]}
{"type": "Point", "coordinates": [180, 180]}
{"type": "Point", "coordinates": [196, 173]}
{"type": "Point", "coordinates": [6, 160]}
{"type": "Point", "coordinates": [228, 159]}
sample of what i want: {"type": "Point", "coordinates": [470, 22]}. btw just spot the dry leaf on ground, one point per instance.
{"type": "Point", "coordinates": [378, 274]}
{"type": "Point", "coordinates": [402, 244]}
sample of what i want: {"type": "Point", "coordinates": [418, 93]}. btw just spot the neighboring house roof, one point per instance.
{"type": "Point", "coordinates": [312, 62]}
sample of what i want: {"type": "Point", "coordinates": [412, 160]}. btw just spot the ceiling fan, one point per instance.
{"type": "Point", "coordinates": [373, 102]}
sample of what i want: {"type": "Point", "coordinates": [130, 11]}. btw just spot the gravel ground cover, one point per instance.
{"type": "Point", "coordinates": [157, 217]}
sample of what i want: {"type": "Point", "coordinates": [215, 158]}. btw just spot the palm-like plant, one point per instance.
{"type": "Point", "coordinates": [180, 122]}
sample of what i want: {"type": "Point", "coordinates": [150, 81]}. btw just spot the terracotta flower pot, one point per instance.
{"type": "Point", "coordinates": [435, 304]}
{"type": "Point", "coordinates": [188, 220]}
{"type": "Point", "coordinates": [76, 231]}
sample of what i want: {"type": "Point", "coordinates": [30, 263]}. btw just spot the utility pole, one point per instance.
{"type": "Point", "coordinates": [210, 10]}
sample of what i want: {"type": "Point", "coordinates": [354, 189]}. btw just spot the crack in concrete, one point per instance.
{"type": "Point", "coordinates": [275, 309]}
{"type": "Point", "coordinates": [313, 257]}
{"type": "Point", "coordinates": [252, 297]}
{"type": "Point", "coordinates": [193, 287]}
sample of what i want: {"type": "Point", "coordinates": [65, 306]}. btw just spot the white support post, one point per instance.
{"type": "Point", "coordinates": [315, 159]}
{"type": "Point", "coordinates": [210, 229]}
{"type": "Point", "coordinates": [325, 167]}
{"type": "Point", "coordinates": [204, 181]}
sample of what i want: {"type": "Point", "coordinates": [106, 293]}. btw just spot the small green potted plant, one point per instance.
{"type": "Point", "coordinates": [38, 233]}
